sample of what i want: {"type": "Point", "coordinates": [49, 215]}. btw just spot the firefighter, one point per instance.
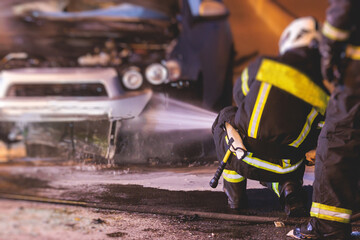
{"type": "Point", "coordinates": [280, 102]}
{"type": "Point", "coordinates": [338, 153]}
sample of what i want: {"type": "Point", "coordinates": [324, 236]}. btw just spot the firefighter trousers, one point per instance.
{"type": "Point", "coordinates": [337, 166]}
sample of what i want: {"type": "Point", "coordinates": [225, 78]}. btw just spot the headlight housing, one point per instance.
{"type": "Point", "coordinates": [156, 74]}
{"type": "Point", "coordinates": [132, 78]}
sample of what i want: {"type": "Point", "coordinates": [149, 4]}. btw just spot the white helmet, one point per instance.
{"type": "Point", "coordinates": [299, 33]}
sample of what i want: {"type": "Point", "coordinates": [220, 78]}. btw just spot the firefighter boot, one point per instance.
{"type": "Point", "coordinates": [293, 198]}
{"type": "Point", "coordinates": [236, 195]}
{"type": "Point", "coordinates": [305, 231]}
{"type": "Point", "coordinates": [311, 230]}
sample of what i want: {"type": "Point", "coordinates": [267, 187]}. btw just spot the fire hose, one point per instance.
{"type": "Point", "coordinates": [168, 212]}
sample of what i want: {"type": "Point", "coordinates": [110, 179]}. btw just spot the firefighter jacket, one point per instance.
{"type": "Point", "coordinates": [280, 104]}
{"type": "Point", "coordinates": [341, 40]}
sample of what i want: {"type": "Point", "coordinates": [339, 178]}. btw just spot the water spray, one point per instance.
{"type": "Point", "coordinates": [164, 114]}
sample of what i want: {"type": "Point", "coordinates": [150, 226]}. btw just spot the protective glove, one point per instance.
{"type": "Point", "coordinates": [237, 146]}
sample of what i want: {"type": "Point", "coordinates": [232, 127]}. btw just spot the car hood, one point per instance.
{"type": "Point", "coordinates": [45, 29]}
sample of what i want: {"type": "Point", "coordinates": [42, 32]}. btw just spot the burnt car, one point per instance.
{"type": "Point", "coordinates": [66, 112]}
{"type": "Point", "coordinates": [183, 48]}
{"type": "Point", "coordinates": [85, 114]}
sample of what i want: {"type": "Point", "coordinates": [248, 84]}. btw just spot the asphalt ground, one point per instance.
{"type": "Point", "coordinates": [30, 220]}
{"type": "Point", "coordinates": [136, 191]}
{"type": "Point", "coordinates": [179, 199]}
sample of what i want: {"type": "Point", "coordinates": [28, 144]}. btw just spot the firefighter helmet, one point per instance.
{"type": "Point", "coordinates": [299, 33]}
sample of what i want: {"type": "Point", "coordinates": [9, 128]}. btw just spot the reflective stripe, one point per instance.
{"type": "Point", "coordinates": [244, 81]}
{"type": "Point", "coordinates": [275, 187]}
{"type": "Point", "coordinates": [306, 129]}
{"type": "Point", "coordinates": [232, 176]}
{"type": "Point", "coordinates": [353, 52]}
{"type": "Point", "coordinates": [330, 213]}
{"type": "Point", "coordinates": [258, 109]}
{"type": "Point", "coordinates": [286, 163]}
{"type": "Point", "coordinates": [294, 82]}
{"type": "Point", "coordinates": [268, 166]}
{"type": "Point", "coordinates": [334, 33]}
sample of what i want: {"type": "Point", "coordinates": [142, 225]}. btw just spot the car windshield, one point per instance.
{"type": "Point", "coordinates": [57, 90]}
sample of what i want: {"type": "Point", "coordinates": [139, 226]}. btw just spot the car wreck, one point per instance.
{"type": "Point", "coordinates": [182, 47]}
{"type": "Point", "coordinates": [44, 103]}
{"type": "Point", "coordinates": [75, 72]}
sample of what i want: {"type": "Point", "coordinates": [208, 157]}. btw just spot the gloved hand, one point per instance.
{"type": "Point", "coordinates": [237, 146]}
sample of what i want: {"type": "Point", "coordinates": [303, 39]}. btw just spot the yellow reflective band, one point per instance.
{"type": "Point", "coordinates": [353, 52]}
{"type": "Point", "coordinates": [306, 129]}
{"type": "Point", "coordinates": [232, 176]}
{"type": "Point", "coordinates": [258, 109]}
{"type": "Point", "coordinates": [286, 163]}
{"type": "Point", "coordinates": [275, 187]}
{"type": "Point", "coordinates": [330, 213]}
{"type": "Point", "coordinates": [268, 166]}
{"type": "Point", "coordinates": [244, 81]}
{"type": "Point", "coordinates": [334, 33]}
{"type": "Point", "coordinates": [294, 82]}
{"type": "Point", "coordinates": [331, 208]}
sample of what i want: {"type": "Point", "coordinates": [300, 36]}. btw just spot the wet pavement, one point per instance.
{"type": "Point", "coordinates": [28, 220]}
{"type": "Point", "coordinates": [127, 188]}
{"type": "Point", "coordinates": [170, 187]}
{"type": "Point", "coordinates": [167, 195]}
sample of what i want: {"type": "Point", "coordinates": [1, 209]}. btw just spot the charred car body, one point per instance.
{"type": "Point", "coordinates": [84, 113]}
{"type": "Point", "coordinates": [54, 109]}
{"type": "Point", "coordinates": [179, 49]}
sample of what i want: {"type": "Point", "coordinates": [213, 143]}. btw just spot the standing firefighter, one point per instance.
{"type": "Point", "coordinates": [280, 102]}
{"type": "Point", "coordinates": [338, 153]}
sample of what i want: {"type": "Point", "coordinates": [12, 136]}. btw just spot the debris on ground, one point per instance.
{"type": "Point", "coordinates": [38, 221]}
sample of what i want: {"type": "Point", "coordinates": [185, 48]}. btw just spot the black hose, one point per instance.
{"type": "Point", "coordinates": [162, 211]}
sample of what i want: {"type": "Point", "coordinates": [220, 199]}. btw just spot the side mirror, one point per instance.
{"type": "Point", "coordinates": [208, 9]}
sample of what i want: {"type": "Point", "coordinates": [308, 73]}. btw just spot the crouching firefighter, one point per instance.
{"type": "Point", "coordinates": [280, 102]}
